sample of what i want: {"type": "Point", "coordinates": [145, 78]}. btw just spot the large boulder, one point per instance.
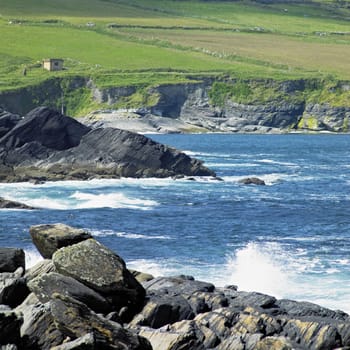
{"type": "Point", "coordinates": [49, 238]}
{"type": "Point", "coordinates": [46, 285]}
{"type": "Point", "coordinates": [11, 259]}
{"type": "Point", "coordinates": [83, 262]}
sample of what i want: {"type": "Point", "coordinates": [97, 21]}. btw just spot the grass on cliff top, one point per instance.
{"type": "Point", "coordinates": [158, 41]}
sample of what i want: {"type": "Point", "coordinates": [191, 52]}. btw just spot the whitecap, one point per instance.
{"type": "Point", "coordinates": [32, 257]}
{"type": "Point", "coordinates": [128, 235]}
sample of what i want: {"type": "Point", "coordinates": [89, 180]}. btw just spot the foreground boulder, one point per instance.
{"type": "Point", "coordinates": [49, 238]}
{"type": "Point", "coordinates": [102, 270]}
{"type": "Point", "coordinates": [46, 145]}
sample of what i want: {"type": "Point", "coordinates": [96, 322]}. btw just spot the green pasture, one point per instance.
{"type": "Point", "coordinates": [145, 43]}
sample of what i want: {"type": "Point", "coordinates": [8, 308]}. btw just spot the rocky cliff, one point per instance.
{"type": "Point", "coordinates": [46, 145]}
{"type": "Point", "coordinates": [216, 105]}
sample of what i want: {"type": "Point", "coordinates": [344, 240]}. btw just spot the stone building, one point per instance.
{"type": "Point", "coordinates": [53, 64]}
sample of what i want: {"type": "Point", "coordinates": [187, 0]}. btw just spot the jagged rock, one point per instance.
{"type": "Point", "coordinates": [13, 288]}
{"type": "Point", "coordinates": [7, 122]}
{"type": "Point", "coordinates": [8, 347]}
{"type": "Point", "coordinates": [85, 342]}
{"type": "Point", "coordinates": [11, 259]}
{"type": "Point", "coordinates": [45, 285]}
{"type": "Point", "coordinates": [46, 127]}
{"type": "Point", "coordinates": [10, 324]}
{"type": "Point", "coordinates": [38, 330]}
{"type": "Point", "coordinates": [312, 335]}
{"type": "Point", "coordinates": [42, 267]}
{"type": "Point", "coordinates": [273, 343]}
{"type": "Point", "coordinates": [302, 308]}
{"type": "Point", "coordinates": [8, 204]}
{"type": "Point", "coordinates": [241, 300]}
{"type": "Point", "coordinates": [252, 181]}
{"type": "Point", "coordinates": [46, 145]}
{"type": "Point", "coordinates": [179, 285]}
{"type": "Point", "coordinates": [141, 276]}
{"type": "Point", "coordinates": [83, 262]}
{"type": "Point", "coordinates": [205, 301]}
{"type": "Point", "coordinates": [162, 309]}
{"type": "Point", "coordinates": [49, 238]}
{"type": "Point", "coordinates": [75, 320]}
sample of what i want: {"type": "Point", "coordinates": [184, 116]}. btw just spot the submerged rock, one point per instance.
{"type": "Point", "coordinates": [252, 181]}
{"type": "Point", "coordinates": [46, 145]}
{"type": "Point", "coordinates": [8, 204]}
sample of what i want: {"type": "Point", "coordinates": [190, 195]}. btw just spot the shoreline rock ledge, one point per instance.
{"type": "Point", "coordinates": [84, 297]}
{"type": "Point", "coordinates": [46, 145]}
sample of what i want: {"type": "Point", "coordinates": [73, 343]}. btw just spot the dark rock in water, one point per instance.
{"type": "Point", "coordinates": [13, 288]}
{"type": "Point", "coordinates": [49, 238]}
{"type": "Point", "coordinates": [10, 324]}
{"type": "Point", "coordinates": [101, 269]}
{"type": "Point", "coordinates": [47, 284]}
{"type": "Point", "coordinates": [46, 145]}
{"type": "Point", "coordinates": [7, 204]}
{"type": "Point", "coordinates": [252, 181]}
{"type": "Point", "coordinates": [75, 319]}
{"type": "Point", "coordinates": [11, 259]}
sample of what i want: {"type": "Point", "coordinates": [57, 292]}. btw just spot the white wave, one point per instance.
{"type": "Point", "coordinates": [32, 257]}
{"type": "Point", "coordinates": [110, 200]}
{"type": "Point", "coordinates": [128, 235]}
{"type": "Point", "coordinates": [258, 267]}
{"type": "Point", "coordinates": [271, 161]}
{"type": "Point", "coordinates": [155, 268]}
{"type": "Point", "coordinates": [270, 179]}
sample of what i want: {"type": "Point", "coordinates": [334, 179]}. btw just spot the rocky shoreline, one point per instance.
{"type": "Point", "coordinates": [82, 296]}
{"type": "Point", "coordinates": [46, 145]}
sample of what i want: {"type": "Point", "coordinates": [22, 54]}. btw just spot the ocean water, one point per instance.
{"type": "Point", "coordinates": [290, 238]}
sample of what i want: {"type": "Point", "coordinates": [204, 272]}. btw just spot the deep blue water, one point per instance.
{"type": "Point", "coordinates": [290, 238]}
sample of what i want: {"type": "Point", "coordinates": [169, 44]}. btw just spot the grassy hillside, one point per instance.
{"type": "Point", "coordinates": [119, 42]}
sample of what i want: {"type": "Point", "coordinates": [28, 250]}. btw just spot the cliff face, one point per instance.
{"type": "Point", "coordinates": [225, 106]}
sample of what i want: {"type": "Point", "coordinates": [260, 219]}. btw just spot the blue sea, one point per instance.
{"type": "Point", "coordinates": [290, 238]}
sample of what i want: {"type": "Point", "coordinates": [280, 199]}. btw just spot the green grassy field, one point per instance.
{"type": "Point", "coordinates": [138, 42]}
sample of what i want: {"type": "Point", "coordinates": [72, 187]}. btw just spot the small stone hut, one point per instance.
{"type": "Point", "coordinates": [53, 64]}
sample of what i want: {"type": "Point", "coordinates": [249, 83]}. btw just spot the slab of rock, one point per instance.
{"type": "Point", "coordinates": [75, 320]}
{"type": "Point", "coordinates": [11, 259]}
{"type": "Point", "coordinates": [8, 204]}
{"type": "Point", "coordinates": [86, 342]}
{"type": "Point", "coordinates": [49, 238]}
{"type": "Point", "coordinates": [44, 286]}
{"type": "Point", "coordinates": [13, 288]}
{"type": "Point", "coordinates": [7, 122]}
{"type": "Point", "coordinates": [101, 269]}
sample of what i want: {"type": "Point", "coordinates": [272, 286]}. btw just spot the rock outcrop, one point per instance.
{"type": "Point", "coordinates": [70, 302]}
{"type": "Point", "coordinates": [46, 145]}
{"type": "Point", "coordinates": [8, 204]}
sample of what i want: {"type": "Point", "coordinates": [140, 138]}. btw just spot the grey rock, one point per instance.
{"type": "Point", "coordinates": [45, 285]}
{"type": "Point", "coordinates": [7, 122]}
{"type": "Point", "coordinates": [83, 262]}
{"type": "Point", "coordinates": [75, 319]}
{"type": "Point", "coordinates": [49, 238]}
{"type": "Point", "coordinates": [42, 267]}
{"type": "Point", "coordinates": [11, 259]}
{"type": "Point", "coordinates": [85, 342]}
{"type": "Point", "coordinates": [13, 288]}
